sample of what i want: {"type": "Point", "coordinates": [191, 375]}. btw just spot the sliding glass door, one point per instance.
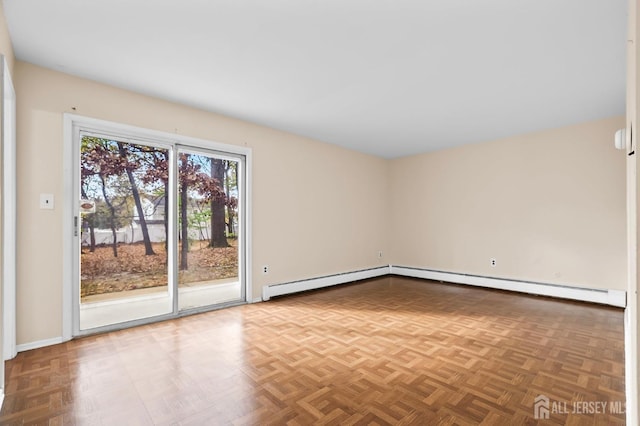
{"type": "Point", "coordinates": [159, 230]}
{"type": "Point", "coordinates": [208, 229]}
{"type": "Point", "coordinates": [124, 231]}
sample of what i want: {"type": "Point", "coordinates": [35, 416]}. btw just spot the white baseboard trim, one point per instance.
{"type": "Point", "coordinates": [606, 297]}
{"type": "Point", "coordinates": [320, 282]}
{"type": "Point", "coordinates": [38, 344]}
{"type": "Point", "coordinates": [1, 397]}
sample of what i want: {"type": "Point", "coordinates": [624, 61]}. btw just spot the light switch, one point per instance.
{"type": "Point", "coordinates": [46, 201]}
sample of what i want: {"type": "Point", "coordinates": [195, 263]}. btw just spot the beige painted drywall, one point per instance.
{"type": "Point", "coordinates": [6, 47]}
{"type": "Point", "coordinates": [548, 206]}
{"type": "Point", "coordinates": [317, 209]}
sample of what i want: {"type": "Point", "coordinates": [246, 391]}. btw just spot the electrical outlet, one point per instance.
{"type": "Point", "coordinates": [265, 269]}
{"type": "Point", "coordinates": [492, 262]}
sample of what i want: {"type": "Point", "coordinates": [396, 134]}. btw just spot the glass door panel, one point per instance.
{"type": "Point", "coordinates": [124, 232]}
{"type": "Point", "coordinates": [208, 230]}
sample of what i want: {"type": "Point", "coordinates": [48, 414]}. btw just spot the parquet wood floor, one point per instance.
{"type": "Point", "coordinates": [384, 351]}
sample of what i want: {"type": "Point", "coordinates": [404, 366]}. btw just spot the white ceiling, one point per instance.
{"type": "Point", "coordinates": [386, 77]}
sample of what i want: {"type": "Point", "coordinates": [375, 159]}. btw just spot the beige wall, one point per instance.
{"type": "Point", "coordinates": [548, 206]}
{"type": "Point", "coordinates": [5, 42]}
{"type": "Point", "coordinates": [317, 209]}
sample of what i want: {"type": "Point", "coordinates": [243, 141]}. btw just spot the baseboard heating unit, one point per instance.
{"type": "Point", "coordinates": [320, 282]}
{"type": "Point", "coordinates": [616, 298]}
{"type": "Point", "coordinates": [606, 297]}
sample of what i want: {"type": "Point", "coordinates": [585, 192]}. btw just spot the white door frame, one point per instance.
{"type": "Point", "coordinates": [8, 215]}
{"type": "Point", "coordinates": [73, 125]}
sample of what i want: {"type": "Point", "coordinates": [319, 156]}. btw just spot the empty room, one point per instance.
{"type": "Point", "coordinates": [248, 213]}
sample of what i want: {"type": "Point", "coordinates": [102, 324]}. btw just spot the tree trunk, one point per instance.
{"type": "Point", "coordinates": [218, 224]}
{"type": "Point", "coordinates": [148, 248]}
{"type": "Point", "coordinates": [166, 218]}
{"type": "Point", "coordinates": [227, 191]}
{"type": "Point", "coordinates": [92, 226]}
{"type": "Point", "coordinates": [184, 225]}
{"type": "Point", "coordinates": [112, 218]}
{"type": "Point", "coordinates": [92, 237]}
